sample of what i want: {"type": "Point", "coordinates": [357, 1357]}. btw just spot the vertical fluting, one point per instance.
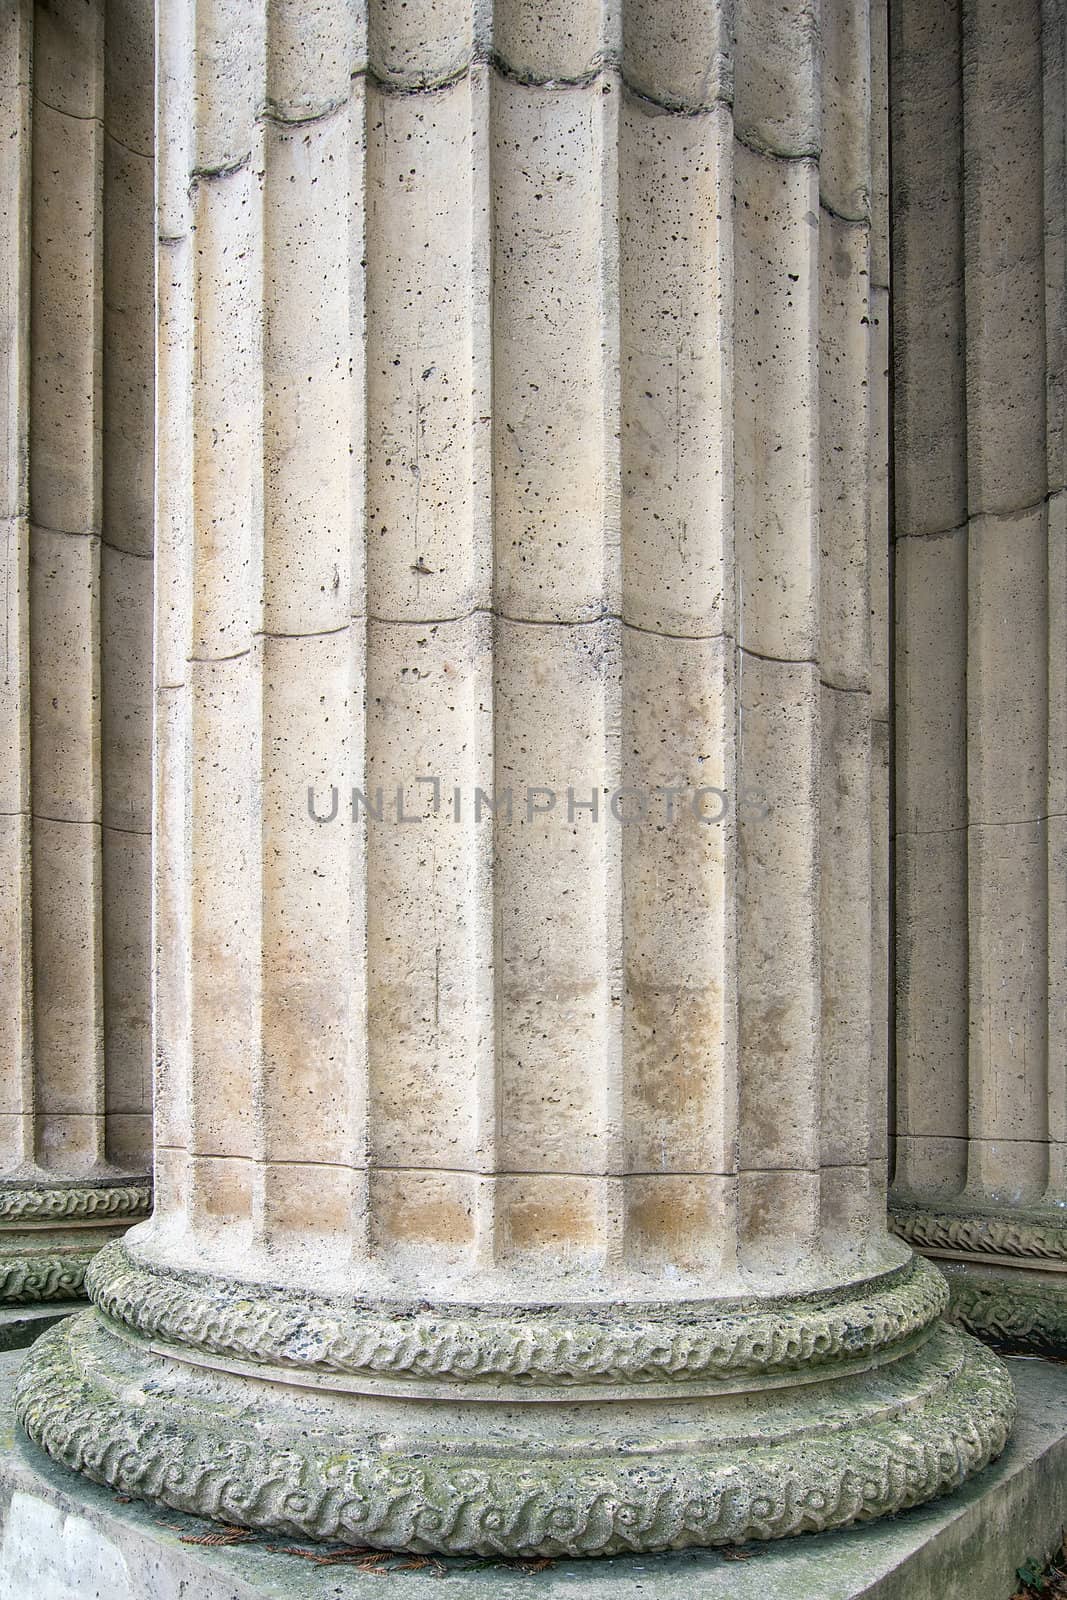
{"type": "Point", "coordinates": [559, 658]}
{"type": "Point", "coordinates": [515, 492]}
{"type": "Point", "coordinates": [776, 534]}
{"type": "Point", "coordinates": [849, 532]}
{"type": "Point", "coordinates": [881, 579]}
{"type": "Point", "coordinates": [1007, 690]}
{"type": "Point", "coordinates": [931, 586]}
{"type": "Point", "coordinates": [77, 675]}
{"type": "Point", "coordinates": [1054, 63]}
{"type": "Point", "coordinates": [528, 515]}
{"type": "Point", "coordinates": [980, 660]}
{"type": "Point", "coordinates": [175, 368]}
{"type": "Point", "coordinates": [16, 1038]}
{"type": "Point", "coordinates": [262, 622]}
{"type": "Point", "coordinates": [306, 645]}
{"type": "Point", "coordinates": [66, 340]}
{"type": "Point", "coordinates": [429, 686]}
{"type": "Point", "coordinates": [221, 693]}
{"type": "Point", "coordinates": [676, 321]}
{"type": "Point", "coordinates": [125, 617]}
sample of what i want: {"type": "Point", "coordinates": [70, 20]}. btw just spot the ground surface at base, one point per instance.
{"type": "Point", "coordinates": [62, 1538]}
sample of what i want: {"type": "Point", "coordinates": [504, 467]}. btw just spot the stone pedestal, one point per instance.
{"type": "Point", "coordinates": [980, 316]}
{"type": "Point", "coordinates": [75, 693]}
{"type": "Point", "coordinates": [520, 1128]}
{"type": "Point", "coordinates": [64, 1537]}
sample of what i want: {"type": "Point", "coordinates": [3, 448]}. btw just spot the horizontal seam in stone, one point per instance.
{"type": "Point", "coordinates": [846, 688]}
{"type": "Point", "coordinates": [467, 616]}
{"type": "Point", "coordinates": [79, 822]}
{"type": "Point", "coordinates": [53, 1111]}
{"type": "Point", "coordinates": [273, 114]}
{"type": "Point", "coordinates": [602, 65]}
{"type": "Point", "coordinates": [1030, 1216]}
{"type": "Point", "coordinates": [960, 1138]}
{"type": "Point", "coordinates": [207, 661]}
{"type": "Point", "coordinates": [87, 533]}
{"type": "Point", "coordinates": [978, 822]}
{"type": "Point", "coordinates": [142, 155]}
{"type": "Point", "coordinates": [371, 1167]}
{"type": "Point", "coordinates": [91, 116]}
{"type": "Point", "coordinates": [973, 1138]}
{"type": "Point", "coordinates": [529, 622]}
{"type": "Point", "coordinates": [781, 661]}
{"type": "Point", "coordinates": [812, 1172]}
{"type": "Point", "coordinates": [314, 633]}
{"type": "Point", "coordinates": [973, 516]}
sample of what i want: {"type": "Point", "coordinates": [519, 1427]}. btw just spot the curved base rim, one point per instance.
{"type": "Point", "coordinates": [1015, 1312]}
{"type": "Point", "coordinates": [106, 1406]}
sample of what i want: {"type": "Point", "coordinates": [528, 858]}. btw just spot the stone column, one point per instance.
{"type": "Point", "coordinates": [981, 315]}
{"type": "Point", "coordinates": [520, 1126]}
{"type": "Point", "coordinates": [75, 697]}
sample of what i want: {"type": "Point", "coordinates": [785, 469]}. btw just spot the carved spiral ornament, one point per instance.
{"type": "Point", "coordinates": [950, 1414]}
{"type": "Point", "coordinates": [617, 1345]}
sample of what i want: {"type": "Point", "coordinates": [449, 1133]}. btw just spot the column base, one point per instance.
{"type": "Point", "coordinates": [1017, 1312]}
{"type": "Point", "coordinates": [1006, 1270]}
{"type": "Point", "coordinates": [50, 1232]}
{"type": "Point", "coordinates": [553, 1433]}
{"type": "Point", "coordinates": [60, 1534]}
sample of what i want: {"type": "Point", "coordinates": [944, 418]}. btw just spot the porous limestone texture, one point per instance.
{"type": "Point", "coordinates": [520, 751]}
{"type": "Point", "coordinates": [980, 456]}
{"type": "Point", "coordinates": [62, 1538]}
{"type": "Point", "coordinates": [76, 404]}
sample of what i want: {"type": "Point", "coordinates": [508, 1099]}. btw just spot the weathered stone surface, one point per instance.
{"type": "Point", "coordinates": [75, 702]}
{"type": "Point", "coordinates": [60, 1535]}
{"type": "Point", "coordinates": [981, 664]}
{"type": "Point", "coordinates": [521, 422]}
{"type": "Point", "coordinates": [555, 1481]}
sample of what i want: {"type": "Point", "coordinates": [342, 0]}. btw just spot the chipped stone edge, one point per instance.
{"type": "Point", "coordinates": [556, 1345]}
{"type": "Point", "coordinates": [517, 1505]}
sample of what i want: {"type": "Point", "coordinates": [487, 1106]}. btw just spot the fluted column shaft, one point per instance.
{"type": "Point", "coordinates": [516, 934]}
{"type": "Point", "coordinates": [75, 700]}
{"type": "Point", "coordinates": [507, 452]}
{"type": "Point", "coordinates": [981, 633]}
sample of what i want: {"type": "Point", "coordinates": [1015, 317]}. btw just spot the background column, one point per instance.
{"type": "Point", "coordinates": [981, 641]}
{"type": "Point", "coordinates": [75, 697]}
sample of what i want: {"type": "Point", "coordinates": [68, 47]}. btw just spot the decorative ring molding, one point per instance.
{"type": "Point", "coordinates": [1011, 1315]}
{"type": "Point", "coordinates": [952, 1415]}
{"type": "Point", "coordinates": [27, 1279]}
{"type": "Point", "coordinates": [557, 1345]}
{"type": "Point", "coordinates": [1033, 1236]}
{"type": "Point", "coordinates": [46, 1203]}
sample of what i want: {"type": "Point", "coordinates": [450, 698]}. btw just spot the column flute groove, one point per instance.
{"type": "Point", "coordinates": [75, 702]}
{"type": "Point", "coordinates": [979, 1180]}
